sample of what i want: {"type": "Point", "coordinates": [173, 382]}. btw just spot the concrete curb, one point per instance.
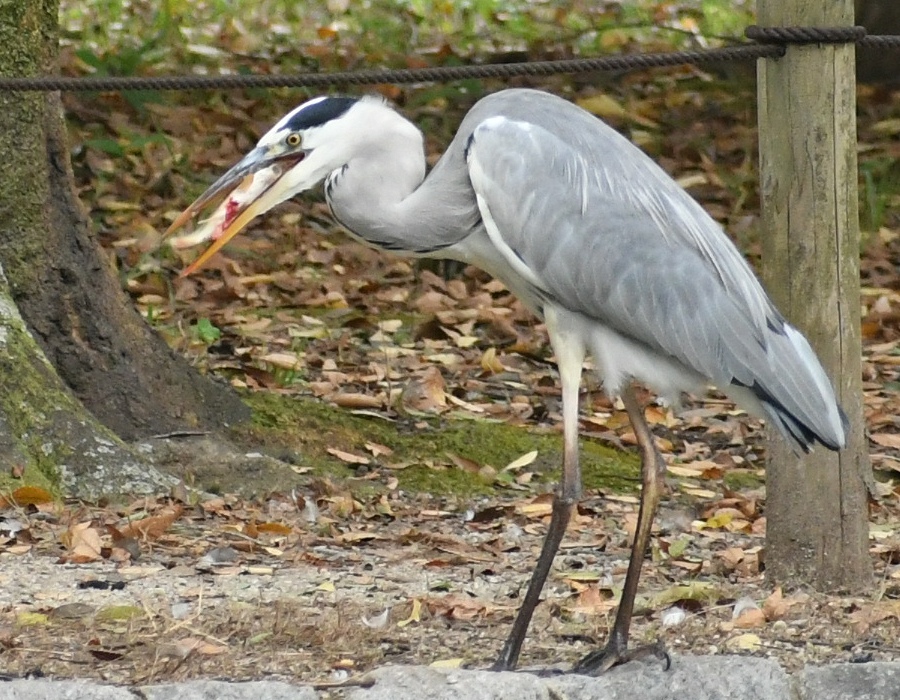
{"type": "Point", "coordinates": [690, 678]}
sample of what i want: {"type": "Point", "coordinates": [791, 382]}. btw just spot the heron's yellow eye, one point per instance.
{"type": "Point", "coordinates": [293, 139]}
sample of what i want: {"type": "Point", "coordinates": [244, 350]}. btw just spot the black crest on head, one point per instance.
{"type": "Point", "coordinates": [319, 113]}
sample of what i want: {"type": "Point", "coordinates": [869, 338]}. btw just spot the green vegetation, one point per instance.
{"type": "Point", "coordinates": [879, 191]}
{"type": "Point", "coordinates": [206, 332]}
{"type": "Point", "coordinates": [144, 36]}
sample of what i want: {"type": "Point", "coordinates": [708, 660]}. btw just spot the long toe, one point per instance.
{"type": "Point", "coordinates": [600, 661]}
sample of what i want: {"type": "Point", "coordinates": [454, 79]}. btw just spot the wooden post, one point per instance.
{"type": "Point", "coordinates": [817, 531]}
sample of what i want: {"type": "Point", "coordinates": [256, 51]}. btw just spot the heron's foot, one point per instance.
{"type": "Point", "coordinates": [504, 662]}
{"type": "Point", "coordinates": [599, 662]}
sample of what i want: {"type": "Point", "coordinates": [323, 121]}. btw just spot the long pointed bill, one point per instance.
{"type": "Point", "coordinates": [253, 186]}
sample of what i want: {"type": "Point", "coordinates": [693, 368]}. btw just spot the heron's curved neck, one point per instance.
{"type": "Point", "coordinates": [382, 196]}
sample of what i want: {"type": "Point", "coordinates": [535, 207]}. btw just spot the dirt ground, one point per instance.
{"type": "Point", "coordinates": [320, 584]}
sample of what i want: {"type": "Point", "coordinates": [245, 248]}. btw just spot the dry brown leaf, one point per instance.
{"type": "Point", "coordinates": [731, 556]}
{"type": "Point", "coordinates": [751, 618]}
{"type": "Point", "coordinates": [539, 507]}
{"type": "Point", "coordinates": [775, 606]}
{"type": "Point", "coordinates": [358, 536]}
{"type": "Point", "coordinates": [194, 645]}
{"type": "Point", "coordinates": [152, 527]}
{"type": "Point", "coordinates": [426, 393]}
{"type": "Point", "coordinates": [84, 543]}
{"type": "Point", "coordinates": [357, 400]}
{"type": "Point", "coordinates": [347, 457]}
{"type": "Point", "coordinates": [274, 528]}
{"type": "Point", "coordinates": [342, 506]}
{"type": "Point", "coordinates": [592, 601]}
{"type": "Point", "coordinates": [522, 461]}
{"type": "Point", "coordinates": [30, 495]}
{"type": "Point", "coordinates": [874, 613]}
{"type": "Point", "coordinates": [457, 607]}
{"type": "Point", "coordinates": [467, 465]}
{"type": "Point", "coordinates": [886, 439]}
{"type": "Point", "coordinates": [415, 614]}
{"type": "Point", "coordinates": [491, 363]}
{"type": "Point", "coordinates": [378, 450]}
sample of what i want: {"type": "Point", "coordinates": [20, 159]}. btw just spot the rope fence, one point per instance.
{"type": "Point", "coordinates": [770, 42]}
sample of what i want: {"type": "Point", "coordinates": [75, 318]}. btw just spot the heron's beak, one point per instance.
{"type": "Point", "coordinates": [253, 186]}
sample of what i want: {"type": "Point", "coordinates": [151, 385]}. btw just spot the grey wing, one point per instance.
{"type": "Point", "coordinates": [594, 225]}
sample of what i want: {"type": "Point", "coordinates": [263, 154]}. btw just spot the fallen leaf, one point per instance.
{"type": "Point", "coordinates": [193, 645]}
{"type": "Point", "coordinates": [379, 450]}
{"type": "Point", "coordinates": [415, 615]}
{"type": "Point", "coordinates": [522, 461]}
{"type": "Point", "coordinates": [490, 362]}
{"type": "Point", "coordinates": [119, 612]}
{"type": "Point", "coordinates": [347, 457]}
{"type": "Point", "coordinates": [775, 606]}
{"type": "Point", "coordinates": [30, 495]}
{"type": "Point", "coordinates": [426, 393]}
{"type": "Point", "coordinates": [152, 527]}
{"type": "Point", "coordinates": [83, 542]}
{"type": "Point", "coordinates": [593, 601]}
{"type": "Point", "coordinates": [744, 642]}
{"type": "Point", "coordinates": [873, 613]}
{"type": "Point", "coordinates": [700, 591]}
{"type": "Point", "coordinates": [356, 400]}
{"type": "Point", "coordinates": [275, 528]}
{"type": "Point", "coordinates": [750, 618]}
{"type": "Point", "coordinates": [886, 439]}
{"type": "Point", "coordinates": [282, 360]}
{"type": "Point", "coordinates": [27, 619]}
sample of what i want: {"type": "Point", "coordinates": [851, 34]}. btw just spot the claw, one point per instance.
{"type": "Point", "coordinates": [600, 661]}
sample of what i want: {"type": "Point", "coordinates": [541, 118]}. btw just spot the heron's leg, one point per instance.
{"type": "Point", "coordinates": [569, 356]}
{"type": "Point", "coordinates": [653, 471]}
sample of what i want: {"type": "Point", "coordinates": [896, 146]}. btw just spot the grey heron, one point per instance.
{"type": "Point", "coordinates": [593, 236]}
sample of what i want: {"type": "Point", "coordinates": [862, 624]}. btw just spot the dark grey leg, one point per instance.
{"type": "Point", "coordinates": [569, 356]}
{"type": "Point", "coordinates": [653, 471]}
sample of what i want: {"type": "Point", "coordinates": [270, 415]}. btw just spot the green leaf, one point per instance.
{"type": "Point", "coordinates": [207, 332]}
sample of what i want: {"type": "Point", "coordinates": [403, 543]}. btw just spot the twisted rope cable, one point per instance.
{"type": "Point", "coordinates": [805, 35]}
{"type": "Point", "coordinates": [398, 76]}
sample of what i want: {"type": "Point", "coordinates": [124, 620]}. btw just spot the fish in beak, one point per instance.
{"type": "Point", "coordinates": [253, 186]}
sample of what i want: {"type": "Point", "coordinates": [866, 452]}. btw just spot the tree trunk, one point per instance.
{"type": "Point", "coordinates": [878, 17]}
{"type": "Point", "coordinates": [59, 277]}
{"type": "Point", "coordinates": [816, 506]}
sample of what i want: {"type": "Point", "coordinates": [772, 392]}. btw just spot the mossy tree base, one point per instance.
{"type": "Point", "coordinates": [87, 367]}
{"type": "Point", "coordinates": [46, 436]}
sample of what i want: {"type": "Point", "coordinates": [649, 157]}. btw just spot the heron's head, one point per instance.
{"type": "Point", "coordinates": [310, 142]}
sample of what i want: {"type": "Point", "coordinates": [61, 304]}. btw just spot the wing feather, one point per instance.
{"type": "Point", "coordinates": [598, 228]}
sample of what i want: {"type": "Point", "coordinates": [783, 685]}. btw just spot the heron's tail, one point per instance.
{"type": "Point", "coordinates": [795, 395]}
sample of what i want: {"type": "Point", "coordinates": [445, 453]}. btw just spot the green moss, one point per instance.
{"type": "Point", "coordinates": [303, 430]}
{"type": "Point", "coordinates": [42, 426]}
{"type": "Point", "coordinates": [31, 475]}
{"type": "Point", "coordinates": [742, 480]}
{"type": "Point", "coordinates": [33, 409]}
